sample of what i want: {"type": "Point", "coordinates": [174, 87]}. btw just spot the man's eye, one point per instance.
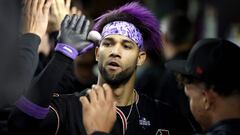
{"type": "Point", "coordinates": [106, 43]}
{"type": "Point", "coordinates": [127, 46]}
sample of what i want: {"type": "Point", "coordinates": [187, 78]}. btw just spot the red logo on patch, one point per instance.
{"type": "Point", "coordinates": [199, 70]}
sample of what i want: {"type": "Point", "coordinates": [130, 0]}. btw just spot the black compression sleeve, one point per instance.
{"type": "Point", "coordinates": [42, 86]}
{"type": "Point", "coordinates": [39, 94]}
{"type": "Point", "coordinates": [20, 68]}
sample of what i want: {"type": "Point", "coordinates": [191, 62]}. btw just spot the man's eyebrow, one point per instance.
{"type": "Point", "coordinates": [128, 41]}
{"type": "Point", "coordinates": [108, 39]}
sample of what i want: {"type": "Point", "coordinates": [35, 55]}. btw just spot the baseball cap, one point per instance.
{"type": "Point", "coordinates": [216, 61]}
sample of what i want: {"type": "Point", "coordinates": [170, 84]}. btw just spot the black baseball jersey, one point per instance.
{"type": "Point", "coordinates": [147, 117]}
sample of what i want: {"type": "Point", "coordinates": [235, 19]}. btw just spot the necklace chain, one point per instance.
{"type": "Point", "coordinates": [134, 98]}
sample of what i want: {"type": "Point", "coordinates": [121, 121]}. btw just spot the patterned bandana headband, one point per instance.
{"type": "Point", "coordinates": [125, 29]}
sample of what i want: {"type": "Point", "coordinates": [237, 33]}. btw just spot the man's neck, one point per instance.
{"type": "Point", "coordinates": [123, 93]}
{"type": "Point", "coordinates": [228, 109]}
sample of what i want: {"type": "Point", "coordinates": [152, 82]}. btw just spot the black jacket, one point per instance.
{"type": "Point", "coordinates": [68, 117]}
{"type": "Point", "coordinates": [225, 127]}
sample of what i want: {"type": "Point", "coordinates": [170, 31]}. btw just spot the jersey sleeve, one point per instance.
{"type": "Point", "coordinates": [33, 110]}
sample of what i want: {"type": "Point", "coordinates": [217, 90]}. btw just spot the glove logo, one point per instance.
{"type": "Point", "coordinates": [69, 50]}
{"type": "Point", "coordinates": [162, 132]}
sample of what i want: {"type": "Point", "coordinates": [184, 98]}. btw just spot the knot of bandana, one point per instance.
{"type": "Point", "coordinates": [125, 29]}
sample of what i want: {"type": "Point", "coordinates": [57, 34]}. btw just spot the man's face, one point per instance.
{"type": "Point", "coordinates": [118, 57]}
{"type": "Point", "coordinates": [197, 100]}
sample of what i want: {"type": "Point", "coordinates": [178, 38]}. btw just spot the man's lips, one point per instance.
{"type": "Point", "coordinates": [113, 65]}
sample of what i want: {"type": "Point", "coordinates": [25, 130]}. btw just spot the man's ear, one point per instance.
{"type": "Point", "coordinates": [141, 58]}
{"type": "Point", "coordinates": [209, 99]}
{"type": "Point", "coordinates": [96, 53]}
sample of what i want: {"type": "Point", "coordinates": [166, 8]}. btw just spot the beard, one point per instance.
{"type": "Point", "coordinates": [119, 78]}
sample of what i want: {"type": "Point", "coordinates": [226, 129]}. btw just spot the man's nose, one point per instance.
{"type": "Point", "coordinates": [116, 50]}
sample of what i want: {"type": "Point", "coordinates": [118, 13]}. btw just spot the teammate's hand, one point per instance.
{"type": "Point", "coordinates": [35, 16]}
{"type": "Point", "coordinates": [99, 111]}
{"type": "Point", "coordinates": [75, 10]}
{"type": "Point", "coordinates": [58, 10]}
{"type": "Point", "coordinates": [74, 31]}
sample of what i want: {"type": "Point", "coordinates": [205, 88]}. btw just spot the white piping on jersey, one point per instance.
{"type": "Point", "coordinates": [58, 119]}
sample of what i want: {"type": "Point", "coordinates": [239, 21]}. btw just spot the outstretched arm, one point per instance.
{"type": "Point", "coordinates": [24, 57]}
{"type": "Point", "coordinates": [33, 109]}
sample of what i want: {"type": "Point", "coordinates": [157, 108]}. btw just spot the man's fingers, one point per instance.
{"type": "Point", "coordinates": [54, 8]}
{"type": "Point", "coordinates": [27, 6]}
{"type": "Point", "coordinates": [114, 108]}
{"type": "Point", "coordinates": [34, 5]}
{"type": "Point", "coordinates": [40, 4]}
{"type": "Point", "coordinates": [74, 21]}
{"type": "Point", "coordinates": [66, 21]}
{"type": "Point", "coordinates": [58, 5]}
{"type": "Point", "coordinates": [84, 101]}
{"type": "Point", "coordinates": [80, 23]}
{"type": "Point", "coordinates": [99, 91]}
{"type": "Point", "coordinates": [108, 92]}
{"type": "Point", "coordinates": [68, 3]}
{"type": "Point", "coordinates": [79, 12]}
{"type": "Point", "coordinates": [61, 4]}
{"type": "Point", "coordinates": [47, 6]}
{"type": "Point", "coordinates": [92, 96]}
{"type": "Point", "coordinates": [86, 28]}
{"type": "Point", "coordinates": [74, 10]}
